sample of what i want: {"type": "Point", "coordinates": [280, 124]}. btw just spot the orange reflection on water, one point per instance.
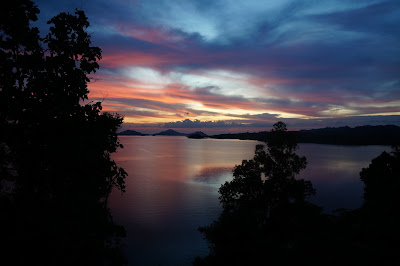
{"type": "Point", "coordinates": [159, 167]}
{"type": "Point", "coordinates": [173, 182]}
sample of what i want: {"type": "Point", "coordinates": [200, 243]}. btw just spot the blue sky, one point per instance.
{"type": "Point", "coordinates": [242, 65]}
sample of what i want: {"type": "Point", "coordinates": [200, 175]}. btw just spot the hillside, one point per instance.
{"type": "Point", "coordinates": [362, 135]}
{"type": "Point", "coordinates": [170, 132]}
{"type": "Point", "coordinates": [131, 133]}
{"type": "Point", "coordinates": [197, 135]}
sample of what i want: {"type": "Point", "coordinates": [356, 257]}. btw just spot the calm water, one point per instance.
{"type": "Point", "coordinates": [173, 182]}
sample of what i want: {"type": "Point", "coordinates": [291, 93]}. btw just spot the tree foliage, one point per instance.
{"type": "Point", "coordinates": [382, 181]}
{"type": "Point", "coordinates": [369, 235]}
{"type": "Point", "coordinates": [55, 146]}
{"type": "Point", "coordinates": [48, 132]}
{"type": "Point", "coordinates": [264, 206]}
{"type": "Point", "coordinates": [269, 178]}
{"type": "Point", "coordinates": [379, 215]}
{"type": "Point", "coordinates": [266, 218]}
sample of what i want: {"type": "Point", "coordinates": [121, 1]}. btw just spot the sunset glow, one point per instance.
{"type": "Point", "coordinates": [321, 64]}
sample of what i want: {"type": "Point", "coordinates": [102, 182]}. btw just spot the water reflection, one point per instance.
{"type": "Point", "coordinates": [334, 171]}
{"type": "Point", "coordinates": [213, 176]}
{"type": "Point", "coordinates": [173, 182]}
{"type": "Point", "coordinates": [171, 190]}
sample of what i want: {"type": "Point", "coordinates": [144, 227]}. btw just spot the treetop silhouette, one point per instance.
{"type": "Point", "coordinates": [56, 169]}
{"type": "Point", "coordinates": [264, 206]}
{"type": "Point", "coordinates": [43, 82]}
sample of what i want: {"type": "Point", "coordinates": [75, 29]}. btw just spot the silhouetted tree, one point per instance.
{"type": "Point", "coordinates": [380, 214]}
{"type": "Point", "coordinates": [267, 220]}
{"type": "Point", "coordinates": [382, 182]}
{"type": "Point", "coordinates": [56, 170]}
{"type": "Point", "coordinates": [369, 235]}
{"type": "Point", "coordinates": [265, 212]}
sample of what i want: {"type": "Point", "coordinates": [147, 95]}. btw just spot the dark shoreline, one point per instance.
{"type": "Point", "coordinates": [362, 135]}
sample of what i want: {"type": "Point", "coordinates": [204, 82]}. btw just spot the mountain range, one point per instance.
{"type": "Point", "coordinates": [362, 135]}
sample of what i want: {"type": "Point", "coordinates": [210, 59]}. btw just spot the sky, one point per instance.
{"type": "Point", "coordinates": [236, 66]}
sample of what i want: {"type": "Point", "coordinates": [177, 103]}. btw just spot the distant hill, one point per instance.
{"type": "Point", "coordinates": [262, 135]}
{"type": "Point", "coordinates": [197, 135]}
{"type": "Point", "coordinates": [170, 132]}
{"type": "Point", "coordinates": [363, 135]}
{"type": "Point", "coordinates": [131, 133]}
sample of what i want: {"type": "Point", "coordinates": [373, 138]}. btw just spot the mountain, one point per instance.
{"type": "Point", "coordinates": [362, 135]}
{"type": "Point", "coordinates": [170, 132]}
{"type": "Point", "coordinates": [197, 135]}
{"type": "Point", "coordinates": [131, 133]}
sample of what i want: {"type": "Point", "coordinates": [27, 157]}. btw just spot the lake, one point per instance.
{"type": "Point", "coordinates": [173, 182]}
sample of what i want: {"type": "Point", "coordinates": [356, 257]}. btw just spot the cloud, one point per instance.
{"type": "Point", "coordinates": [245, 61]}
{"type": "Point", "coordinates": [267, 120]}
{"type": "Point", "coordinates": [187, 123]}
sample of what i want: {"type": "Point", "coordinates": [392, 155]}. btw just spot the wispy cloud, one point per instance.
{"type": "Point", "coordinates": [225, 60]}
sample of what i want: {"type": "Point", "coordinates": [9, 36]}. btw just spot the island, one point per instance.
{"type": "Point", "coordinates": [197, 135]}
{"type": "Point", "coordinates": [131, 133]}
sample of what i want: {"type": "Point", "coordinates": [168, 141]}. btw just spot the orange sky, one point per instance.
{"type": "Point", "coordinates": [244, 66]}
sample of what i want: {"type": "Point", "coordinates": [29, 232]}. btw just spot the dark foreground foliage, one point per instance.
{"type": "Point", "coordinates": [56, 172]}
{"type": "Point", "coordinates": [267, 220]}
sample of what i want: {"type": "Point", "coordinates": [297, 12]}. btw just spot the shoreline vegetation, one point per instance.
{"type": "Point", "coordinates": [267, 216]}
{"type": "Point", "coordinates": [361, 135]}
